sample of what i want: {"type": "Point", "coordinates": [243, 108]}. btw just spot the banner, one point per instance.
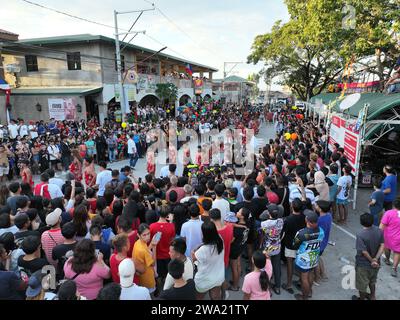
{"type": "Point", "coordinates": [347, 135]}
{"type": "Point", "coordinates": [198, 86]}
{"type": "Point", "coordinates": [62, 109]}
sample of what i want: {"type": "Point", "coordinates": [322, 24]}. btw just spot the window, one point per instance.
{"type": "Point", "coordinates": [122, 63]}
{"type": "Point", "coordinates": [31, 63]}
{"type": "Point", "coordinates": [74, 61]}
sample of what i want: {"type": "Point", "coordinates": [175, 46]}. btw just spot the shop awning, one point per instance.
{"type": "Point", "coordinates": [64, 91]}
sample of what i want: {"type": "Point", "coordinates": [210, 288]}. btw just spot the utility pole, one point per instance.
{"type": "Point", "coordinates": [123, 101]}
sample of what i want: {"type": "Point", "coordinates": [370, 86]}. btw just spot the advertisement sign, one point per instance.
{"type": "Point", "coordinates": [130, 92]}
{"type": "Point", "coordinates": [347, 135]}
{"type": "Point", "coordinates": [62, 109]}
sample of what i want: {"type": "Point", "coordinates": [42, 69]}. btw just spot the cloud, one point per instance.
{"type": "Point", "coordinates": [219, 31]}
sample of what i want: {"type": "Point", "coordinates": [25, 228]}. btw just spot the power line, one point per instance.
{"type": "Point", "coordinates": [130, 29]}
{"type": "Point", "coordinates": [98, 23]}
{"type": "Point", "coordinates": [69, 15]}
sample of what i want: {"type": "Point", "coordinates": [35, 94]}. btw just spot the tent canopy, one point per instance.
{"type": "Point", "coordinates": [378, 103]}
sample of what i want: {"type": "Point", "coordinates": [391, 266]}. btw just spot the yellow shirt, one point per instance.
{"type": "Point", "coordinates": [142, 254]}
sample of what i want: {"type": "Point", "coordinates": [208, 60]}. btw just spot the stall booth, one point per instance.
{"type": "Point", "coordinates": [367, 126]}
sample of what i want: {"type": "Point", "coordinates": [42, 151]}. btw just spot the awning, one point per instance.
{"type": "Point", "coordinates": [4, 85]}
{"type": "Point", "coordinates": [65, 91]}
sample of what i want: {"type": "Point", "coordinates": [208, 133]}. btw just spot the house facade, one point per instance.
{"type": "Point", "coordinates": [76, 77]}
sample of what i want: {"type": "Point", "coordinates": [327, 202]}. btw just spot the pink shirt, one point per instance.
{"type": "Point", "coordinates": [88, 284]}
{"type": "Point", "coordinates": [251, 284]}
{"type": "Point", "coordinates": [180, 192]}
{"type": "Point", "coordinates": [50, 239]}
{"type": "Point", "coordinates": [391, 219]}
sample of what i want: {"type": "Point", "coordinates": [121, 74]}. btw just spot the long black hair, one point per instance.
{"type": "Point", "coordinates": [211, 236]}
{"type": "Point", "coordinates": [260, 261]}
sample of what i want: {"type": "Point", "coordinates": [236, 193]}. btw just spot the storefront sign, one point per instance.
{"type": "Point", "coordinates": [62, 109]}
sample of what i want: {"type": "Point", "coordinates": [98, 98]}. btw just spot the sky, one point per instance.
{"type": "Point", "coordinates": [209, 32]}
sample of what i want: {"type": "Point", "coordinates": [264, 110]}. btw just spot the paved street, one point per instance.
{"type": "Point", "coordinates": [339, 259]}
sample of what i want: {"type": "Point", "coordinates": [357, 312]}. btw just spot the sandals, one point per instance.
{"type": "Point", "coordinates": [285, 287]}
{"type": "Point", "coordinates": [276, 290]}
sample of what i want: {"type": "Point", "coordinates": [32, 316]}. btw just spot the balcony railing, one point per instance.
{"type": "Point", "coordinates": [148, 82]}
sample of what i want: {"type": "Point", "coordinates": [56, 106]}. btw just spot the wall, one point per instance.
{"type": "Point", "coordinates": [25, 107]}
{"type": "Point", "coordinates": [53, 69]}
{"type": "Point", "coordinates": [3, 117]}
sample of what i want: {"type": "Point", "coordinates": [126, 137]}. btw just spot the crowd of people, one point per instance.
{"type": "Point", "coordinates": [111, 236]}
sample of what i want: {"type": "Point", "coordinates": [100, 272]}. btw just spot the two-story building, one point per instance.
{"type": "Point", "coordinates": [4, 86]}
{"type": "Point", "coordinates": [76, 76]}
{"type": "Point", "coordinates": [233, 89]}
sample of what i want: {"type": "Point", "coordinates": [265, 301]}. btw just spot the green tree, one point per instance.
{"type": "Point", "coordinates": [311, 50]}
{"type": "Point", "coordinates": [167, 92]}
{"type": "Point", "coordinates": [254, 77]}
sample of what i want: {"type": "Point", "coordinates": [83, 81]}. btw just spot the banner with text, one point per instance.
{"type": "Point", "coordinates": [347, 134]}
{"type": "Point", "coordinates": [62, 109]}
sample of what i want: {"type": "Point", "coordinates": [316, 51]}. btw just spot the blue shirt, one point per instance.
{"type": "Point", "coordinates": [325, 223]}
{"type": "Point", "coordinates": [333, 189]}
{"type": "Point", "coordinates": [122, 177]}
{"type": "Point", "coordinates": [308, 241]}
{"type": "Point", "coordinates": [136, 138]}
{"type": "Point", "coordinates": [390, 182]}
{"type": "Point", "coordinates": [379, 198]}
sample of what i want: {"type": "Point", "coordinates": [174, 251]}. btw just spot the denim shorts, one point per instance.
{"type": "Point", "coordinates": [342, 202]}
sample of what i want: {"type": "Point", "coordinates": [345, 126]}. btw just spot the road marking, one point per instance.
{"type": "Point", "coordinates": [350, 234]}
{"type": "Point", "coordinates": [345, 231]}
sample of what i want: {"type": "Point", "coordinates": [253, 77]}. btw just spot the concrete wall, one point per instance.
{"type": "Point", "coordinates": [53, 69]}
{"type": "Point", "coordinates": [25, 107]}
{"type": "Point", "coordinates": [109, 74]}
{"type": "Point", "coordinates": [3, 117]}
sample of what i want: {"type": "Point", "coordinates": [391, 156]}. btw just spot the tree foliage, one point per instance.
{"type": "Point", "coordinates": [167, 92]}
{"type": "Point", "coordinates": [311, 50]}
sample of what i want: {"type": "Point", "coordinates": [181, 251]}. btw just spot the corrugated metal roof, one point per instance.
{"type": "Point", "coordinates": [28, 91]}
{"type": "Point", "coordinates": [378, 103]}
{"type": "Point", "coordinates": [90, 37]}
{"type": "Point", "coordinates": [233, 79]}
{"type": "Point", "coordinates": [8, 32]}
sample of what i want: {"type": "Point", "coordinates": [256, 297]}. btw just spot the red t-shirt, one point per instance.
{"type": "Point", "coordinates": [114, 264]}
{"type": "Point", "coordinates": [272, 197]}
{"type": "Point", "coordinates": [227, 235]}
{"type": "Point", "coordinates": [168, 234]}
{"type": "Point", "coordinates": [132, 239]}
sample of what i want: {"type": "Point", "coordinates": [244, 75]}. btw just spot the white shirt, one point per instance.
{"type": "Point", "coordinates": [55, 191]}
{"type": "Point", "coordinates": [53, 150]}
{"type": "Point", "coordinates": [294, 192]}
{"type": "Point", "coordinates": [135, 292]}
{"type": "Point", "coordinates": [344, 182]}
{"type": "Point", "coordinates": [210, 268]}
{"type": "Point", "coordinates": [191, 230]}
{"type": "Point", "coordinates": [13, 129]}
{"type": "Point", "coordinates": [57, 181]}
{"type": "Point", "coordinates": [223, 206]}
{"type": "Point", "coordinates": [164, 172]}
{"type": "Point", "coordinates": [23, 130]}
{"type": "Point", "coordinates": [186, 199]}
{"type": "Point", "coordinates": [187, 274]}
{"type": "Point", "coordinates": [131, 146]}
{"type": "Point", "coordinates": [102, 179]}
{"type": "Point", "coordinates": [34, 134]}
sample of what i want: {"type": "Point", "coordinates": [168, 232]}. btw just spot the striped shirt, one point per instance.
{"type": "Point", "coordinates": [50, 239]}
{"type": "Point", "coordinates": [295, 192]}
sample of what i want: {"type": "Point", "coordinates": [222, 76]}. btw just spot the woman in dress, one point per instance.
{"type": "Point", "coordinates": [89, 172]}
{"type": "Point", "coordinates": [76, 166]}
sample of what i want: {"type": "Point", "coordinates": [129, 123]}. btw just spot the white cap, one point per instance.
{"type": "Point", "coordinates": [53, 217]}
{"type": "Point", "coordinates": [126, 271]}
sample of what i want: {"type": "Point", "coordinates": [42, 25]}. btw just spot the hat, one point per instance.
{"type": "Point", "coordinates": [126, 271]}
{"type": "Point", "coordinates": [34, 286]}
{"type": "Point", "coordinates": [276, 208]}
{"type": "Point", "coordinates": [53, 217]}
{"type": "Point", "coordinates": [231, 217]}
{"type": "Point", "coordinates": [311, 216]}
{"type": "Point", "coordinates": [264, 216]}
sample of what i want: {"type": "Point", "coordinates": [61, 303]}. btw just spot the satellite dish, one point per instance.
{"type": "Point", "coordinates": [349, 101]}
